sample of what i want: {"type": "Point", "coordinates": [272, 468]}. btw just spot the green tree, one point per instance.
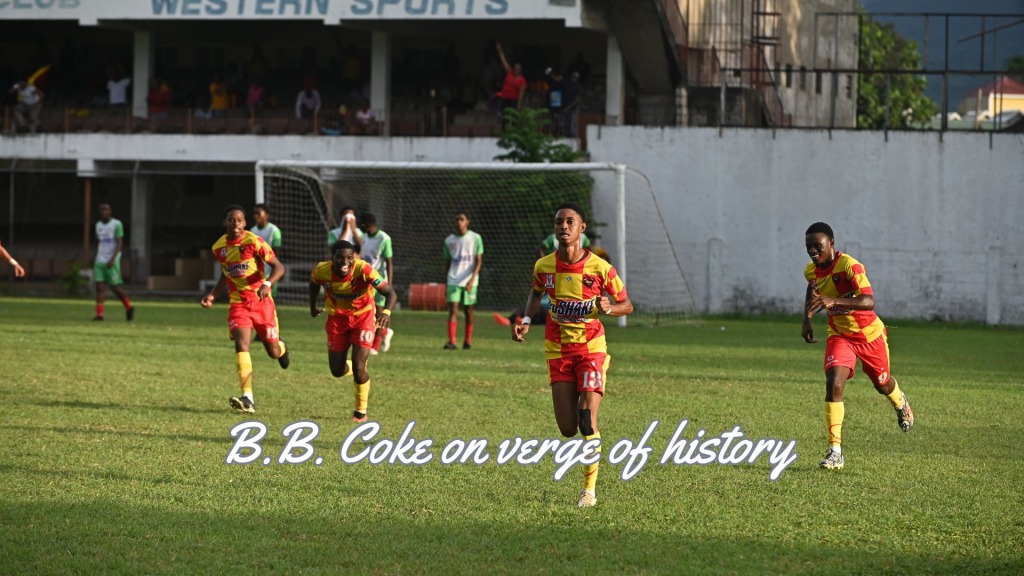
{"type": "Point", "coordinates": [524, 138]}
{"type": "Point", "coordinates": [1015, 66]}
{"type": "Point", "coordinates": [882, 48]}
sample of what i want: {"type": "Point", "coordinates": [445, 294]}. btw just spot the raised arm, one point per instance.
{"type": "Point", "coordinates": [504, 61]}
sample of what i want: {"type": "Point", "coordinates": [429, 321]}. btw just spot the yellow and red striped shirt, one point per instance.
{"type": "Point", "coordinates": [242, 261]}
{"type": "Point", "coordinates": [352, 294]}
{"type": "Point", "coordinates": [846, 278]}
{"type": "Point", "coordinates": [573, 328]}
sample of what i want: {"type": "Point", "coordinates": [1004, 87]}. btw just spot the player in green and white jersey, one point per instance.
{"type": "Point", "coordinates": [463, 254]}
{"type": "Point", "coordinates": [376, 250]}
{"type": "Point", "coordinates": [107, 268]}
{"type": "Point", "coordinates": [270, 233]}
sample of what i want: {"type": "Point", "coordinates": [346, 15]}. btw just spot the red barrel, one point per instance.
{"type": "Point", "coordinates": [427, 296]}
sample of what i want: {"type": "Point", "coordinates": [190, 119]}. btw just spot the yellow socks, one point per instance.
{"type": "Point", "coordinates": [590, 470]}
{"type": "Point", "coordinates": [834, 412]}
{"type": "Point", "coordinates": [362, 395]}
{"type": "Point", "coordinates": [244, 362]}
{"type": "Point", "coordinates": [896, 396]}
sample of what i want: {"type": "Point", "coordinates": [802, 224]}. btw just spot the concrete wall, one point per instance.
{"type": "Point", "coordinates": [194, 148]}
{"type": "Point", "coordinates": [935, 219]}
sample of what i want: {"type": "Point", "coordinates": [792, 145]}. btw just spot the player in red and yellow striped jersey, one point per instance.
{"type": "Point", "coordinates": [352, 316]}
{"type": "Point", "coordinates": [242, 256]}
{"type": "Point", "coordinates": [576, 281]}
{"type": "Point", "coordinates": [838, 284]}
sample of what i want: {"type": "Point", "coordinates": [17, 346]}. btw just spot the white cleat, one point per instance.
{"type": "Point", "coordinates": [587, 499]}
{"type": "Point", "coordinates": [385, 344]}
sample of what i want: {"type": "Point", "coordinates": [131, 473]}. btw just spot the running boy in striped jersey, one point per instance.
{"type": "Point", "coordinates": [839, 285]}
{"type": "Point", "coordinates": [243, 256]}
{"type": "Point", "coordinates": [352, 317]}
{"type": "Point", "coordinates": [576, 281]}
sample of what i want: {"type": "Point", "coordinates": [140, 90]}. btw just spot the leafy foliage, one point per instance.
{"type": "Point", "coordinates": [882, 48]}
{"type": "Point", "coordinates": [524, 138]}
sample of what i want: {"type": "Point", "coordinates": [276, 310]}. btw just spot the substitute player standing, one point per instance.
{"type": "Point", "coordinates": [243, 256]}
{"type": "Point", "coordinates": [377, 251]}
{"type": "Point", "coordinates": [270, 233]}
{"type": "Point", "coordinates": [575, 281]}
{"type": "Point", "coordinates": [352, 318]}
{"type": "Point", "coordinates": [839, 284]}
{"type": "Point", "coordinates": [107, 268]}
{"type": "Point", "coordinates": [464, 255]}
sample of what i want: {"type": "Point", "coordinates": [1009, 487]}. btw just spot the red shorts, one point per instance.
{"type": "Point", "coordinates": [344, 330]}
{"type": "Point", "coordinates": [255, 313]}
{"type": "Point", "coordinates": [588, 371]}
{"type": "Point", "coordinates": [874, 356]}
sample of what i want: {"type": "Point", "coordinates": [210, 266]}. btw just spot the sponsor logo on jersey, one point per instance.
{"type": "Point", "coordinates": [569, 311]}
{"type": "Point", "coordinates": [238, 270]}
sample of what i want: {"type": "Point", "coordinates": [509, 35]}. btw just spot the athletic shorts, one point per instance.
{"type": "Point", "coordinates": [344, 330]}
{"type": "Point", "coordinates": [588, 371]}
{"type": "Point", "coordinates": [254, 313]}
{"type": "Point", "coordinates": [874, 356]}
{"type": "Point", "coordinates": [111, 276]}
{"type": "Point", "coordinates": [461, 295]}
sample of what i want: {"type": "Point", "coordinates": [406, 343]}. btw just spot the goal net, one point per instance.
{"type": "Point", "coordinates": [511, 206]}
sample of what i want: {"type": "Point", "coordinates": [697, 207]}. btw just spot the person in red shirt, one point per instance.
{"type": "Point", "coordinates": [514, 87]}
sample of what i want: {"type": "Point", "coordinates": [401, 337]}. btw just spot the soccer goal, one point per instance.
{"type": "Point", "coordinates": [511, 206]}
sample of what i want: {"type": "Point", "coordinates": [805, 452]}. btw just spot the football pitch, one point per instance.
{"type": "Point", "coordinates": [114, 436]}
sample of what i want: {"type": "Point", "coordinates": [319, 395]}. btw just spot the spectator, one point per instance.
{"type": "Point", "coordinates": [254, 96]}
{"type": "Point", "coordinates": [159, 99]}
{"type": "Point", "coordinates": [30, 101]}
{"type": "Point", "coordinates": [514, 87]}
{"type": "Point", "coordinates": [117, 87]}
{"type": "Point", "coordinates": [365, 117]}
{"type": "Point", "coordinates": [219, 97]}
{"type": "Point", "coordinates": [572, 93]}
{"type": "Point", "coordinates": [307, 104]}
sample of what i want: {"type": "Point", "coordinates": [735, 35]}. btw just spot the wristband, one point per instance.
{"type": "Point", "coordinates": [386, 312]}
{"type": "Point", "coordinates": [525, 321]}
{"type": "Point", "coordinates": [12, 262]}
{"type": "Point", "coordinates": [268, 284]}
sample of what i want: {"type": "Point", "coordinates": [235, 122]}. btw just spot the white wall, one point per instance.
{"type": "Point", "coordinates": [936, 220]}
{"type": "Point", "coordinates": [195, 148]}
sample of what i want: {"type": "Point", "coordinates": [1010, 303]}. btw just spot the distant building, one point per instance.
{"type": "Point", "coordinates": [993, 98]}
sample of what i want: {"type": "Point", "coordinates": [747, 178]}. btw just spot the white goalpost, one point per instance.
{"type": "Point", "coordinates": [510, 205]}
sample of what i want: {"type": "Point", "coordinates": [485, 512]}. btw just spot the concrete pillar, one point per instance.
{"type": "Point", "coordinates": [615, 85]}
{"type": "Point", "coordinates": [140, 228]}
{"type": "Point", "coordinates": [142, 71]}
{"type": "Point", "coordinates": [993, 285]}
{"type": "Point", "coordinates": [380, 78]}
{"type": "Point", "coordinates": [716, 296]}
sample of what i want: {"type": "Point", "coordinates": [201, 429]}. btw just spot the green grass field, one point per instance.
{"type": "Point", "coordinates": [113, 439]}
